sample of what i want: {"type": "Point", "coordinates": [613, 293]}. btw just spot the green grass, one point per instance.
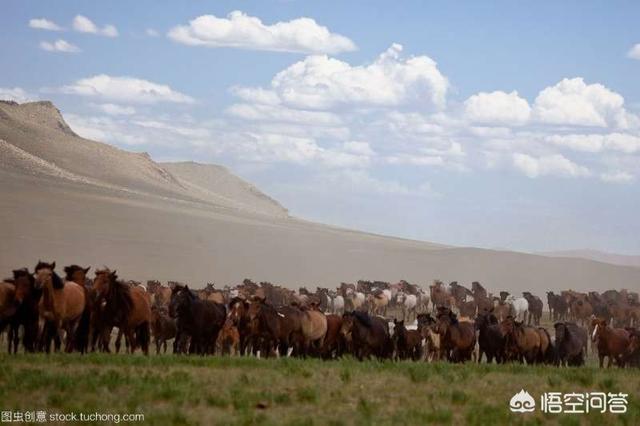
{"type": "Point", "coordinates": [222, 390]}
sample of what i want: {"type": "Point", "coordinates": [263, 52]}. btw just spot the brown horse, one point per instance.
{"type": "Point", "coordinates": [128, 308]}
{"type": "Point", "coordinates": [61, 306]}
{"type": "Point", "coordinates": [160, 294]}
{"type": "Point", "coordinates": [314, 327]}
{"type": "Point", "coordinates": [439, 295]}
{"type": "Point", "coordinates": [611, 342]}
{"type": "Point", "coordinates": [426, 326]}
{"type": "Point", "coordinates": [365, 335]}
{"type": "Point", "coordinates": [457, 339]}
{"type": "Point", "coordinates": [521, 342]}
{"type": "Point", "coordinates": [229, 339]}
{"type": "Point", "coordinates": [333, 344]}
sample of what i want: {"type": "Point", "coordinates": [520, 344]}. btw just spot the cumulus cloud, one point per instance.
{"type": "Point", "coordinates": [573, 102]}
{"type": "Point", "coordinates": [302, 35]}
{"type": "Point", "coordinates": [634, 52]}
{"type": "Point", "coordinates": [594, 143]}
{"type": "Point", "coordinates": [85, 25]}
{"type": "Point", "coordinates": [549, 165]}
{"type": "Point", "coordinates": [497, 108]}
{"type": "Point", "coordinates": [320, 82]}
{"type": "Point", "coordinates": [59, 46]}
{"type": "Point", "coordinates": [617, 177]}
{"type": "Point", "coordinates": [44, 24]}
{"type": "Point", "coordinates": [125, 89]}
{"type": "Point", "coordinates": [283, 114]}
{"type": "Point", "coordinates": [114, 109]}
{"type": "Point", "coordinates": [16, 94]}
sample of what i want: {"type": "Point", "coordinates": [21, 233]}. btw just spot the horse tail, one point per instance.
{"type": "Point", "coordinates": [82, 332]}
{"type": "Point", "coordinates": [143, 336]}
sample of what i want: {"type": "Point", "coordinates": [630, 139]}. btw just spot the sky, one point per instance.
{"type": "Point", "coordinates": [489, 124]}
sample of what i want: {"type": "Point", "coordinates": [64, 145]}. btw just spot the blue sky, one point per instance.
{"type": "Point", "coordinates": [469, 123]}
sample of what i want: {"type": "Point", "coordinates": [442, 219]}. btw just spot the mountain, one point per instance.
{"type": "Point", "coordinates": [600, 256]}
{"type": "Point", "coordinates": [35, 139]}
{"type": "Point", "coordinates": [73, 200]}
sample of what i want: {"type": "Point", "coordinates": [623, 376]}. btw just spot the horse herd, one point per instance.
{"type": "Point", "coordinates": [449, 323]}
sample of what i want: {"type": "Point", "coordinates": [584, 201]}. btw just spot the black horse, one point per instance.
{"type": "Point", "coordinates": [196, 319]}
{"type": "Point", "coordinates": [26, 316]}
{"type": "Point", "coordinates": [571, 343]}
{"type": "Point", "coordinates": [366, 335]}
{"type": "Point", "coordinates": [490, 338]}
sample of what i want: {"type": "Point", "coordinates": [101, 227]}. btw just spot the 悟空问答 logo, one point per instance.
{"type": "Point", "coordinates": [522, 402]}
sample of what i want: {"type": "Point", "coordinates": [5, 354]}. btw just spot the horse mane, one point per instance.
{"type": "Point", "coordinates": [235, 300]}
{"type": "Point", "coordinates": [363, 317]}
{"type": "Point", "coordinates": [57, 282]}
{"type": "Point", "coordinates": [119, 295]}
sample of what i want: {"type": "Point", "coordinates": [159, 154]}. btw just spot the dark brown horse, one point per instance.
{"type": "Point", "coordinates": [407, 343]}
{"type": "Point", "coordinates": [535, 307]}
{"type": "Point", "coordinates": [27, 297]}
{"type": "Point", "coordinates": [125, 307]}
{"type": "Point", "coordinates": [366, 335]}
{"type": "Point", "coordinates": [275, 329]}
{"type": "Point", "coordinates": [163, 327]}
{"type": "Point", "coordinates": [333, 345]}
{"type": "Point", "coordinates": [490, 338]}
{"type": "Point", "coordinates": [611, 342]}
{"type": "Point", "coordinates": [571, 343]}
{"type": "Point", "coordinates": [457, 339]}
{"type": "Point", "coordinates": [199, 320]}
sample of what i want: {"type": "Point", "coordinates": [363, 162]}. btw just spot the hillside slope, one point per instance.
{"type": "Point", "coordinates": [72, 200]}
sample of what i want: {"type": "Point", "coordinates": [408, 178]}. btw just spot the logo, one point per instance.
{"type": "Point", "coordinates": [522, 402]}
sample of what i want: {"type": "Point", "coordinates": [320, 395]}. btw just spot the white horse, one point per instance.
{"type": "Point", "coordinates": [520, 307]}
{"type": "Point", "coordinates": [408, 303]}
{"type": "Point", "coordinates": [338, 305]}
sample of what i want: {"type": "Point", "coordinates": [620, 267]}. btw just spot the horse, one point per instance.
{"type": "Point", "coordinates": [408, 304]}
{"type": "Point", "coordinates": [26, 300]}
{"type": "Point", "coordinates": [611, 342]}
{"type": "Point", "coordinates": [439, 295]}
{"type": "Point", "coordinates": [535, 307]}
{"type": "Point", "coordinates": [407, 343]}
{"type": "Point", "coordinates": [78, 275]}
{"type": "Point", "coordinates": [490, 338]}
{"type": "Point", "coordinates": [200, 320]}
{"type": "Point", "coordinates": [60, 307]}
{"type": "Point", "coordinates": [426, 324]}
{"type": "Point", "coordinates": [458, 339]}
{"type": "Point", "coordinates": [229, 339]}
{"type": "Point", "coordinates": [163, 327]}
{"type": "Point", "coordinates": [632, 357]}
{"type": "Point", "coordinates": [521, 342]}
{"type": "Point", "coordinates": [239, 314]}
{"type": "Point", "coordinates": [314, 327]}
{"type": "Point", "coordinates": [558, 307]}
{"type": "Point", "coordinates": [273, 329]}
{"type": "Point", "coordinates": [520, 307]}
{"type": "Point", "coordinates": [366, 335]}
{"type": "Point", "coordinates": [571, 343]}
{"type": "Point", "coordinates": [125, 307]}
{"type": "Point", "coordinates": [160, 295]}
{"type": "Point", "coordinates": [338, 305]}
{"type": "Point", "coordinates": [333, 345]}
{"type": "Point", "coordinates": [378, 303]}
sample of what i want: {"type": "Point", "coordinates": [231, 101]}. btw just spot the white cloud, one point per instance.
{"type": "Point", "coordinates": [549, 165]}
{"type": "Point", "coordinates": [125, 89]}
{"type": "Point", "coordinates": [617, 177]}
{"type": "Point", "coordinates": [634, 52]}
{"type": "Point", "coordinates": [282, 114]}
{"type": "Point", "coordinates": [594, 143]}
{"type": "Point", "coordinates": [59, 46]}
{"type": "Point", "coordinates": [151, 32]}
{"type": "Point", "coordinates": [85, 25]}
{"type": "Point", "coordinates": [497, 108]}
{"type": "Point", "coordinates": [16, 94]}
{"type": "Point", "coordinates": [575, 103]}
{"type": "Point", "coordinates": [114, 109]}
{"type": "Point", "coordinates": [320, 82]}
{"type": "Point", "coordinates": [44, 24]}
{"type": "Point", "coordinates": [239, 30]}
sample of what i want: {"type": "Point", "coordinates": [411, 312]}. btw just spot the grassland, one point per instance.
{"type": "Point", "coordinates": [220, 390]}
